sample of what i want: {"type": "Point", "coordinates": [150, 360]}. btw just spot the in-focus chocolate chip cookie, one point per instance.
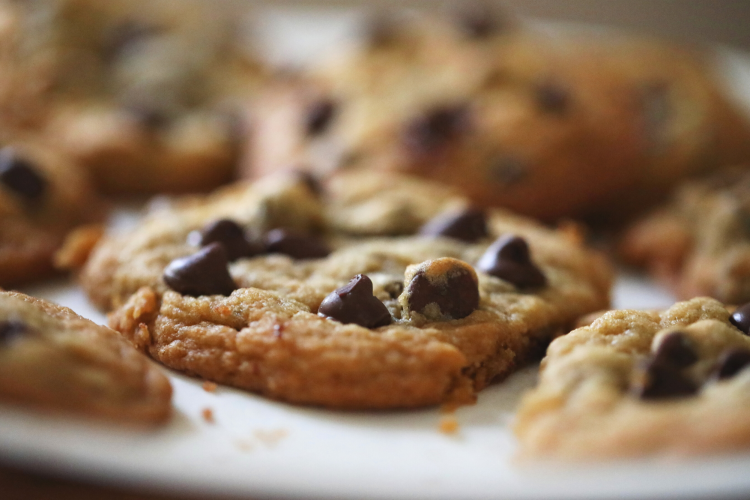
{"type": "Point", "coordinates": [698, 243]}
{"type": "Point", "coordinates": [549, 124]}
{"type": "Point", "coordinates": [140, 91]}
{"type": "Point", "coordinates": [43, 196]}
{"type": "Point", "coordinates": [643, 383]}
{"type": "Point", "coordinates": [54, 360]}
{"type": "Point", "coordinates": [355, 293]}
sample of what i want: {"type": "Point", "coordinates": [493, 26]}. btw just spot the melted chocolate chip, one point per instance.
{"type": "Point", "coordinates": [508, 170]}
{"type": "Point", "coordinates": [677, 350]}
{"type": "Point", "coordinates": [478, 21]}
{"type": "Point", "coordinates": [552, 97]}
{"type": "Point", "coordinates": [20, 175]}
{"type": "Point", "coordinates": [355, 303]}
{"type": "Point", "coordinates": [319, 117]}
{"type": "Point", "coordinates": [230, 235]}
{"type": "Point", "coordinates": [10, 330]}
{"type": "Point", "coordinates": [456, 294]}
{"type": "Point", "coordinates": [468, 225]}
{"type": "Point", "coordinates": [731, 362]}
{"type": "Point", "coordinates": [295, 245]}
{"type": "Point", "coordinates": [663, 381]}
{"type": "Point", "coordinates": [203, 273]}
{"type": "Point", "coordinates": [741, 318]}
{"type": "Point", "coordinates": [431, 131]}
{"type": "Point", "coordinates": [508, 258]}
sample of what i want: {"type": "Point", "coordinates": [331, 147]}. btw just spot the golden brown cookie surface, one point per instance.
{"type": "Point", "coordinates": [291, 324]}
{"type": "Point", "coordinates": [642, 383]}
{"type": "Point", "coordinates": [55, 360]}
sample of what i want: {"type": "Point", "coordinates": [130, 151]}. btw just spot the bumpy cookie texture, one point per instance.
{"type": "Point", "coordinates": [642, 383]}
{"type": "Point", "coordinates": [699, 242]}
{"type": "Point", "coordinates": [141, 92]}
{"type": "Point", "coordinates": [437, 331]}
{"type": "Point", "coordinates": [43, 195]}
{"type": "Point", "coordinates": [54, 360]}
{"type": "Point", "coordinates": [546, 124]}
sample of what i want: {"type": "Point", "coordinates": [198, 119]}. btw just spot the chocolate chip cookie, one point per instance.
{"type": "Point", "coordinates": [639, 383]}
{"type": "Point", "coordinates": [54, 360]}
{"type": "Point", "coordinates": [549, 124]}
{"type": "Point", "coordinates": [366, 291]}
{"type": "Point", "coordinates": [699, 242]}
{"type": "Point", "coordinates": [140, 92]}
{"type": "Point", "coordinates": [43, 196]}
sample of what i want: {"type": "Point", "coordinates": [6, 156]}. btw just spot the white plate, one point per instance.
{"type": "Point", "coordinates": [266, 449]}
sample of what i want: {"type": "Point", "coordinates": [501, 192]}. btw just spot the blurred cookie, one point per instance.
{"type": "Point", "coordinates": [633, 383]}
{"type": "Point", "coordinates": [549, 124]}
{"type": "Point", "coordinates": [139, 92]}
{"type": "Point", "coordinates": [55, 360]}
{"type": "Point", "coordinates": [368, 291]}
{"type": "Point", "coordinates": [698, 243]}
{"type": "Point", "coordinates": [43, 196]}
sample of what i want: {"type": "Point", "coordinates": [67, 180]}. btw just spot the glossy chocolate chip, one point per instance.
{"type": "Point", "coordinates": [731, 362]}
{"type": "Point", "coordinates": [295, 245]}
{"type": "Point", "coordinates": [453, 294]}
{"type": "Point", "coordinates": [434, 129]}
{"type": "Point", "coordinates": [355, 303]}
{"type": "Point", "coordinates": [10, 330]}
{"type": "Point", "coordinates": [552, 97]}
{"type": "Point", "coordinates": [741, 318]}
{"type": "Point", "coordinates": [663, 381]}
{"type": "Point", "coordinates": [231, 235]}
{"type": "Point", "coordinates": [467, 225]}
{"type": "Point", "coordinates": [675, 349]}
{"type": "Point", "coordinates": [319, 117]}
{"type": "Point", "coordinates": [20, 175]}
{"type": "Point", "coordinates": [205, 272]}
{"type": "Point", "coordinates": [508, 258]}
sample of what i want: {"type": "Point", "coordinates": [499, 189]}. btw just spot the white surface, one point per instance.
{"type": "Point", "coordinates": [266, 449]}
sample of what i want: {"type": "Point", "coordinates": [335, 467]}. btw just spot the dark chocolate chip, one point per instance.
{"type": "Point", "coordinates": [467, 225]}
{"type": "Point", "coordinates": [205, 272]}
{"type": "Point", "coordinates": [310, 180]}
{"type": "Point", "coordinates": [456, 294]}
{"type": "Point", "coordinates": [355, 303]}
{"type": "Point", "coordinates": [20, 175]}
{"type": "Point", "coordinates": [508, 170]}
{"type": "Point", "coordinates": [432, 130]}
{"type": "Point", "coordinates": [295, 245]}
{"type": "Point", "coordinates": [10, 330]}
{"type": "Point", "coordinates": [675, 349]}
{"type": "Point", "coordinates": [478, 21]}
{"type": "Point", "coordinates": [662, 381]}
{"type": "Point", "coordinates": [508, 258]}
{"type": "Point", "coordinates": [552, 97]}
{"type": "Point", "coordinates": [319, 117]}
{"type": "Point", "coordinates": [231, 235]}
{"type": "Point", "coordinates": [125, 37]}
{"type": "Point", "coordinates": [741, 318]}
{"type": "Point", "coordinates": [731, 362]}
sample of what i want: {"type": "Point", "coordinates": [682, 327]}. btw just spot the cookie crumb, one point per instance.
{"type": "Point", "coordinates": [448, 425]}
{"type": "Point", "coordinates": [270, 437]}
{"type": "Point", "coordinates": [77, 247]}
{"type": "Point", "coordinates": [208, 416]}
{"type": "Point", "coordinates": [209, 386]}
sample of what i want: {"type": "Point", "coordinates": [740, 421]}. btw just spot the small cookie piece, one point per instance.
{"type": "Point", "coordinates": [699, 242]}
{"type": "Point", "coordinates": [382, 319]}
{"type": "Point", "coordinates": [141, 92]}
{"type": "Point", "coordinates": [54, 360]}
{"type": "Point", "coordinates": [642, 383]}
{"type": "Point", "coordinates": [42, 197]}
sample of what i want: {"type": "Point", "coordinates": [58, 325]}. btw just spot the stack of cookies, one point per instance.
{"type": "Point", "coordinates": [401, 232]}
